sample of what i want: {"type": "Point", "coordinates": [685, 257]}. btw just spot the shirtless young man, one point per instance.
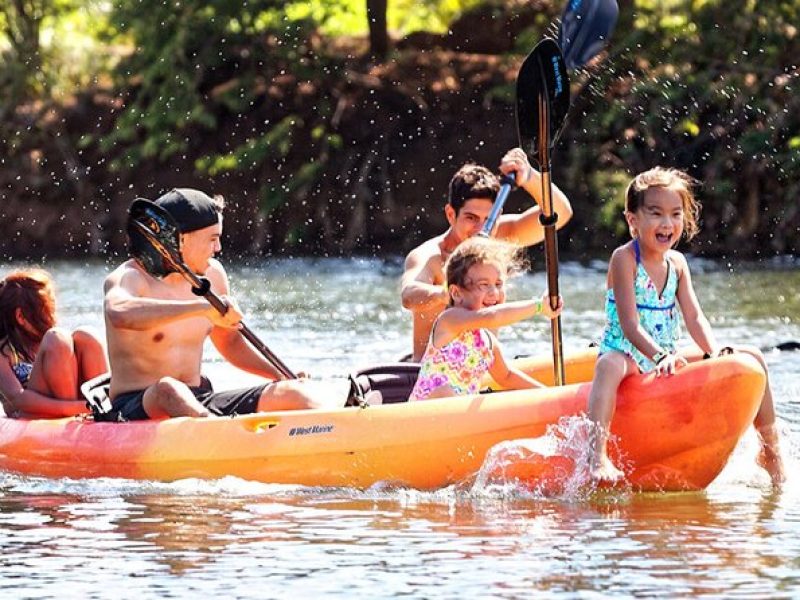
{"type": "Point", "coordinates": [156, 328]}
{"type": "Point", "coordinates": [472, 193]}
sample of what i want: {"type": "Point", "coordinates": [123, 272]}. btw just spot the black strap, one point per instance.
{"type": "Point", "coordinates": [203, 288]}
{"type": "Point", "coordinates": [546, 221]}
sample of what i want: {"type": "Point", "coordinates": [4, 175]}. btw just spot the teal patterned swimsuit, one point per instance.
{"type": "Point", "coordinates": [658, 315]}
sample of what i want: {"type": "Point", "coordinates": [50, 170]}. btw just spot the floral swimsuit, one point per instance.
{"type": "Point", "coordinates": [461, 364]}
{"type": "Point", "coordinates": [658, 315]}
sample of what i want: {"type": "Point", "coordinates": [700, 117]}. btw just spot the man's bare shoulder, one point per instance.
{"type": "Point", "coordinates": [129, 275]}
{"type": "Point", "coordinates": [427, 253]}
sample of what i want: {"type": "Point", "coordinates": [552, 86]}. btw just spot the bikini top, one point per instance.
{"type": "Point", "coordinates": [21, 369]}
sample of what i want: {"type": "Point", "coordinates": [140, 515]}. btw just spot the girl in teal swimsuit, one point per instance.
{"type": "Point", "coordinates": [647, 282]}
{"type": "Point", "coordinates": [41, 366]}
{"type": "Point", "coordinates": [461, 348]}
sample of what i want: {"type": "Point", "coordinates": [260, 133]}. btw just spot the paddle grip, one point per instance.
{"type": "Point", "coordinates": [507, 183]}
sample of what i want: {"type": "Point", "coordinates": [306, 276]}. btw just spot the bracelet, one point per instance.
{"type": "Point", "coordinates": [539, 306]}
{"type": "Point", "coordinates": [659, 356]}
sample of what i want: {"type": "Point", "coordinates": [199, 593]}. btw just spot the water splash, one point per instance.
{"type": "Point", "coordinates": [554, 465]}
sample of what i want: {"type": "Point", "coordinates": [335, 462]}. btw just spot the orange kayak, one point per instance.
{"type": "Point", "coordinates": [676, 433]}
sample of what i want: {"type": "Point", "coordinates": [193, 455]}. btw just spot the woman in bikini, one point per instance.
{"type": "Point", "coordinates": [41, 366]}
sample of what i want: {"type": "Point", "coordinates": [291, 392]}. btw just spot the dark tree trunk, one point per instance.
{"type": "Point", "coordinates": [378, 34]}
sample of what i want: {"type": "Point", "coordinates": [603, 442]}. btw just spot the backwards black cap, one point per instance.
{"type": "Point", "coordinates": [191, 209]}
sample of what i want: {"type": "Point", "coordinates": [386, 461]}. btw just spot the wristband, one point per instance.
{"type": "Point", "coordinates": [659, 356]}
{"type": "Point", "coordinates": [539, 306]}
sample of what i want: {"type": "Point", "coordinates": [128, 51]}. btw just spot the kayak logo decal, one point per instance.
{"type": "Point", "coordinates": [310, 430]}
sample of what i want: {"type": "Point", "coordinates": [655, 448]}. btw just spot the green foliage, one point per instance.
{"type": "Point", "coordinates": [610, 186]}
{"type": "Point", "coordinates": [277, 143]}
{"type": "Point", "coordinates": [257, 90]}
{"type": "Point", "coordinates": [711, 87]}
{"type": "Point", "coordinates": [186, 55]}
{"type": "Point", "coordinates": [48, 47]}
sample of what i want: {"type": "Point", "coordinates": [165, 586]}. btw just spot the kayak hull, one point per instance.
{"type": "Point", "coordinates": [674, 433]}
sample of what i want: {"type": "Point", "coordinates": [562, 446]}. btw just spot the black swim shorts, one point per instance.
{"type": "Point", "coordinates": [129, 405]}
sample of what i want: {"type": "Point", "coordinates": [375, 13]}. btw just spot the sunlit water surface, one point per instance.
{"type": "Point", "coordinates": [126, 539]}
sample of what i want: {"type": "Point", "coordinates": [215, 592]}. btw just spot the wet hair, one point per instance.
{"type": "Point", "coordinates": [671, 179]}
{"type": "Point", "coordinates": [32, 291]}
{"type": "Point", "coordinates": [472, 181]}
{"type": "Point", "coordinates": [508, 259]}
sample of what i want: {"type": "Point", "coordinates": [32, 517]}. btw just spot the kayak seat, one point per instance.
{"type": "Point", "coordinates": [388, 383]}
{"type": "Point", "coordinates": [95, 391]}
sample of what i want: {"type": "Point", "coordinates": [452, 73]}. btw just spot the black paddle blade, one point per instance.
{"type": "Point", "coordinates": [585, 29]}
{"type": "Point", "coordinates": [543, 74]}
{"type": "Point", "coordinates": [153, 238]}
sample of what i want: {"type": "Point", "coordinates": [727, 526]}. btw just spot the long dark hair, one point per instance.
{"type": "Point", "coordinates": [32, 292]}
{"type": "Point", "coordinates": [671, 179]}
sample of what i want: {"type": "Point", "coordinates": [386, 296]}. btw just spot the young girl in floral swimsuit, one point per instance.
{"type": "Point", "coordinates": [461, 348]}
{"type": "Point", "coordinates": [647, 282]}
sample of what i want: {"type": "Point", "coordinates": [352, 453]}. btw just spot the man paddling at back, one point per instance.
{"type": "Point", "coordinates": [472, 192]}
{"type": "Point", "coordinates": [156, 328]}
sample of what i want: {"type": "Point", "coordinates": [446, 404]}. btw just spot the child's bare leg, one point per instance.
{"type": "Point", "coordinates": [609, 372]}
{"type": "Point", "coordinates": [90, 354]}
{"type": "Point", "coordinates": [769, 457]}
{"type": "Point", "coordinates": [55, 372]}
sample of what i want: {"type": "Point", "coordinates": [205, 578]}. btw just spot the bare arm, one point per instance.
{"type": "Point", "coordinates": [456, 320]}
{"type": "Point", "coordinates": [28, 402]}
{"type": "Point", "coordinates": [419, 289]}
{"type": "Point", "coordinates": [525, 228]}
{"type": "Point", "coordinates": [509, 378]}
{"type": "Point", "coordinates": [235, 349]}
{"type": "Point", "coordinates": [693, 316]}
{"type": "Point", "coordinates": [128, 304]}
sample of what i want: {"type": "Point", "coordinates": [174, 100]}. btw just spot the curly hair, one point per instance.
{"type": "Point", "coordinates": [32, 292]}
{"type": "Point", "coordinates": [671, 179]}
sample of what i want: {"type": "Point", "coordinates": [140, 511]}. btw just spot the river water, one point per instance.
{"type": "Point", "coordinates": [126, 539]}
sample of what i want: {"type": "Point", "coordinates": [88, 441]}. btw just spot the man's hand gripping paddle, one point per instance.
{"type": "Point", "coordinates": [542, 106]}
{"type": "Point", "coordinates": [155, 244]}
{"type": "Point", "coordinates": [585, 28]}
{"type": "Point", "coordinates": [507, 183]}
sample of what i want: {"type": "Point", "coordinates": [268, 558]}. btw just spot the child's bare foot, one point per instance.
{"type": "Point", "coordinates": [602, 470]}
{"type": "Point", "coordinates": [770, 460]}
{"type": "Point", "coordinates": [769, 457]}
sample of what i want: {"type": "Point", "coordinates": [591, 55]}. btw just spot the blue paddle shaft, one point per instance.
{"type": "Point", "coordinates": [507, 183]}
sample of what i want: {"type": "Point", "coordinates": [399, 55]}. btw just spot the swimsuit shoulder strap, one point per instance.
{"type": "Point", "coordinates": [637, 251]}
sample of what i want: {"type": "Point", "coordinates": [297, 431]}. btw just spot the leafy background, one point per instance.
{"type": "Point", "coordinates": [328, 136]}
